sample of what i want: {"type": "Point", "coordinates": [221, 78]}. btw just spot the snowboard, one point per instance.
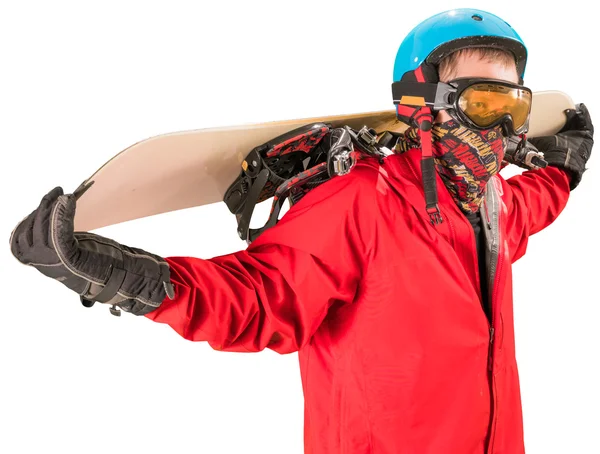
{"type": "Point", "coordinates": [187, 169]}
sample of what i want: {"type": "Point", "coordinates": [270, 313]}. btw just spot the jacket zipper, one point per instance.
{"type": "Point", "coordinates": [495, 263]}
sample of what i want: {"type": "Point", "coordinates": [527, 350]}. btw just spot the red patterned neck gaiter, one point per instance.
{"type": "Point", "coordinates": [465, 159]}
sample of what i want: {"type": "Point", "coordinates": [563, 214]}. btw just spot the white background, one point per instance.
{"type": "Point", "coordinates": [80, 83]}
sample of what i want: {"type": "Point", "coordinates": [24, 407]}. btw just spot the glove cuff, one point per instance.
{"type": "Point", "coordinates": [572, 162]}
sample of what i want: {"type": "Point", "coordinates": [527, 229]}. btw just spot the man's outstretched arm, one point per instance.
{"type": "Point", "coordinates": [276, 293]}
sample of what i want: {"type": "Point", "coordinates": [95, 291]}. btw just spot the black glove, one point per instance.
{"type": "Point", "coordinates": [97, 268]}
{"type": "Point", "coordinates": [571, 147]}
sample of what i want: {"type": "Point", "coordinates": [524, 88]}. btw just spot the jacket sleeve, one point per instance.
{"type": "Point", "coordinates": [275, 293]}
{"type": "Point", "coordinates": [533, 200]}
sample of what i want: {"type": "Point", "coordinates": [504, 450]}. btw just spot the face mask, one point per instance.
{"type": "Point", "coordinates": [466, 159]}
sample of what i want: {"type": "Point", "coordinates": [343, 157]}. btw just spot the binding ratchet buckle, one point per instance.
{"type": "Point", "coordinates": [524, 154]}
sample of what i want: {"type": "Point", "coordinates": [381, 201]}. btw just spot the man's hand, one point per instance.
{"type": "Point", "coordinates": [571, 147]}
{"type": "Point", "coordinates": [97, 268]}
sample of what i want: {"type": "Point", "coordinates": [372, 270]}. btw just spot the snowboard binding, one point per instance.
{"type": "Point", "coordinates": [290, 165]}
{"type": "Point", "coordinates": [524, 154]}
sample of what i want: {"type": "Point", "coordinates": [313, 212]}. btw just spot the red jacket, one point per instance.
{"type": "Point", "coordinates": [396, 353]}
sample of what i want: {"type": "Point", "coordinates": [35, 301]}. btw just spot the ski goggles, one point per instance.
{"type": "Point", "coordinates": [475, 103]}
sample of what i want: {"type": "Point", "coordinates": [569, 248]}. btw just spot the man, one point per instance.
{"type": "Point", "coordinates": [393, 283]}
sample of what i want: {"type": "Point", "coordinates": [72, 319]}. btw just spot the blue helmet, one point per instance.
{"type": "Point", "coordinates": [446, 32]}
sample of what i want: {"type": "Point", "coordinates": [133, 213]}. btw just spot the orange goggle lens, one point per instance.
{"type": "Point", "coordinates": [486, 103]}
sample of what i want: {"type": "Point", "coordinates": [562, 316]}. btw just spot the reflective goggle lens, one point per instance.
{"type": "Point", "coordinates": [485, 103]}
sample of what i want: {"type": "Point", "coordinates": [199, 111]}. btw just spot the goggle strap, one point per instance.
{"type": "Point", "coordinates": [416, 94]}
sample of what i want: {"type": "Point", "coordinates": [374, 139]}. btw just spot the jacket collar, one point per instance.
{"type": "Point", "coordinates": [408, 164]}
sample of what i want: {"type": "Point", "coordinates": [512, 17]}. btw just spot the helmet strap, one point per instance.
{"type": "Point", "coordinates": [422, 119]}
